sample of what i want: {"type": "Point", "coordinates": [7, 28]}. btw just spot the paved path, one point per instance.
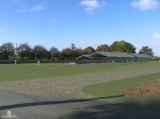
{"type": "Point", "coordinates": [40, 107]}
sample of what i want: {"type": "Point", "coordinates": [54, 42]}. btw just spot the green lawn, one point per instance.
{"type": "Point", "coordinates": [114, 88]}
{"type": "Point", "coordinates": [34, 71]}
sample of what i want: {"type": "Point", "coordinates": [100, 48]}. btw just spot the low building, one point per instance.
{"type": "Point", "coordinates": [83, 57]}
{"type": "Point", "coordinates": [141, 57]}
{"type": "Point", "coordinates": [102, 57]}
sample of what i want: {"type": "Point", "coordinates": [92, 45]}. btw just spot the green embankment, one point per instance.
{"type": "Point", "coordinates": [113, 88]}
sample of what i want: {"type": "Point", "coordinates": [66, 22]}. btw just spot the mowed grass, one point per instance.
{"type": "Point", "coordinates": [33, 71]}
{"type": "Point", "coordinates": [113, 88]}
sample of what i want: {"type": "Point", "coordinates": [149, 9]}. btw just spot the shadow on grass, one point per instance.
{"type": "Point", "coordinates": [102, 110]}
{"type": "Point", "coordinates": [119, 111]}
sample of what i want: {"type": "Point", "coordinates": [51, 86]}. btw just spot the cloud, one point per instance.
{"type": "Point", "coordinates": [35, 8]}
{"type": "Point", "coordinates": [54, 20]}
{"type": "Point", "coordinates": [1, 30]}
{"type": "Point", "coordinates": [150, 42]}
{"type": "Point", "coordinates": [146, 4]}
{"type": "Point", "coordinates": [91, 5]}
{"type": "Point", "coordinates": [38, 7]}
{"type": "Point", "coordinates": [157, 36]}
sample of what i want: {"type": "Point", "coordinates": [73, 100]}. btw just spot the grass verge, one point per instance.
{"type": "Point", "coordinates": [113, 88]}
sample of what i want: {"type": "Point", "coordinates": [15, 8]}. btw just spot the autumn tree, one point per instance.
{"type": "Point", "coordinates": [146, 50]}
{"type": "Point", "coordinates": [104, 48]}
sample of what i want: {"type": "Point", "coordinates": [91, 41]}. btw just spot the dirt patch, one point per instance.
{"type": "Point", "coordinates": [147, 89]}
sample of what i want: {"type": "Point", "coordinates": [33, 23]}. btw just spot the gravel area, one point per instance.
{"type": "Point", "coordinates": [69, 86]}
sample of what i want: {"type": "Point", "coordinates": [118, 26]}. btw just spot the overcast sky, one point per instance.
{"type": "Point", "coordinates": [85, 23]}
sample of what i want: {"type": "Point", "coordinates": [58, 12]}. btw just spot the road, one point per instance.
{"type": "Point", "coordinates": [21, 106]}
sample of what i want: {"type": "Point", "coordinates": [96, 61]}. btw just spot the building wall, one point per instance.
{"type": "Point", "coordinates": [116, 60]}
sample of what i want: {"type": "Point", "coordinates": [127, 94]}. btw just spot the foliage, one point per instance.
{"type": "Point", "coordinates": [122, 46]}
{"type": "Point", "coordinates": [24, 50]}
{"type": "Point", "coordinates": [53, 53]}
{"type": "Point", "coordinates": [114, 47]}
{"type": "Point", "coordinates": [6, 51]}
{"type": "Point", "coordinates": [76, 53]}
{"type": "Point", "coordinates": [104, 48]}
{"type": "Point", "coordinates": [73, 47]}
{"type": "Point", "coordinates": [156, 58]}
{"type": "Point", "coordinates": [146, 50]}
{"type": "Point", "coordinates": [88, 50]}
{"type": "Point", "coordinates": [39, 52]}
{"type": "Point", "coordinates": [65, 54]}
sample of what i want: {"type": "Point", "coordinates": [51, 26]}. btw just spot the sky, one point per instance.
{"type": "Point", "coordinates": [60, 23]}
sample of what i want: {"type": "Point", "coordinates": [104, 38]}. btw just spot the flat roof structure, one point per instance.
{"type": "Point", "coordinates": [142, 56]}
{"type": "Point", "coordinates": [111, 54]}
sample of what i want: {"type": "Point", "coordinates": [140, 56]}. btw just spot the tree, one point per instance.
{"type": "Point", "coordinates": [156, 58]}
{"type": "Point", "coordinates": [24, 50]}
{"type": "Point", "coordinates": [114, 47]}
{"type": "Point", "coordinates": [70, 53]}
{"type": "Point", "coordinates": [146, 50]}
{"type": "Point", "coordinates": [39, 51]}
{"type": "Point", "coordinates": [7, 50]}
{"type": "Point", "coordinates": [73, 47]}
{"type": "Point", "coordinates": [66, 54]}
{"type": "Point", "coordinates": [76, 53]}
{"type": "Point", "coordinates": [122, 46]}
{"type": "Point", "coordinates": [104, 48]}
{"type": "Point", "coordinates": [54, 52]}
{"type": "Point", "coordinates": [88, 50]}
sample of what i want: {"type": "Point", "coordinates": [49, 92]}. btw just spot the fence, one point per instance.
{"type": "Point", "coordinates": [41, 61]}
{"type": "Point", "coordinates": [71, 61]}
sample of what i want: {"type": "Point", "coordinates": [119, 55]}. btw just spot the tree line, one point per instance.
{"type": "Point", "coordinates": [24, 51]}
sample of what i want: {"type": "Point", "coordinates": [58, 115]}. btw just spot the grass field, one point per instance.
{"type": "Point", "coordinates": [33, 71]}
{"type": "Point", "coordinates": [22, 72]}
{"type": "Point", "coordinates": [114, 88]}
